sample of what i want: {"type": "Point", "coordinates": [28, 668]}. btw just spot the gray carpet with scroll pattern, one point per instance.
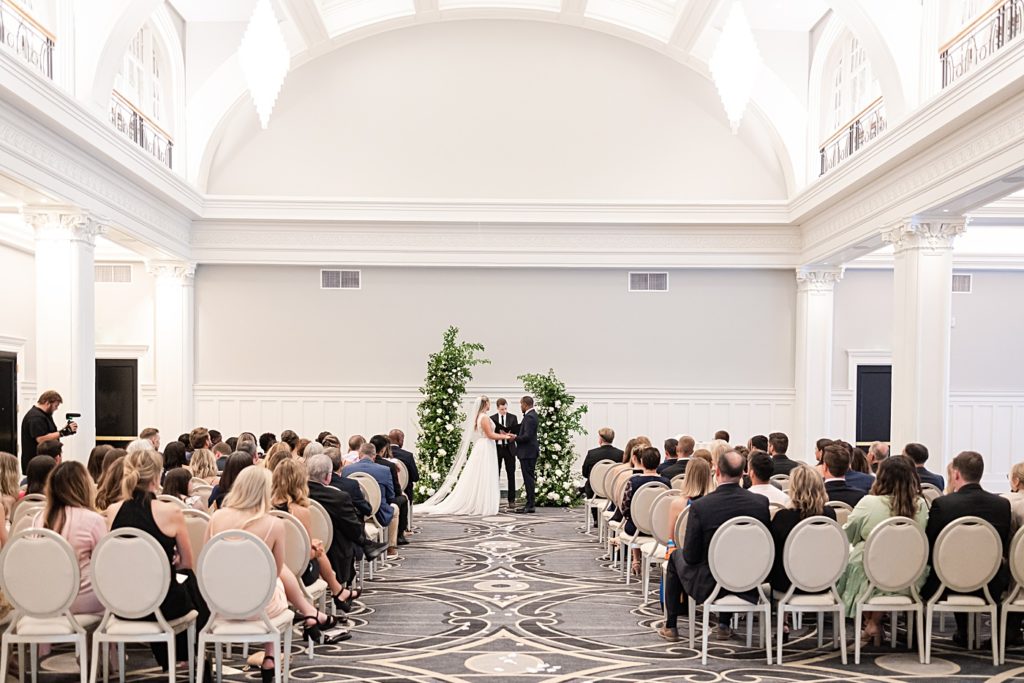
{"type": "Point", "coordinates": [526, 597]}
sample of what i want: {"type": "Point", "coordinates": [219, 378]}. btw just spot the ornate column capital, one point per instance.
{"type": "Point", "coordinates": [817, 279]}
{"type": "Point", "coordinates": [180, 271]}
{"type": "Point", "coordinates": [55, 222]}
{"type": "Point", "coordinates": [926, 233]}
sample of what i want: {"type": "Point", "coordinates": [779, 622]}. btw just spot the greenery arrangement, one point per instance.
{"type": "Point", "coordinates": [558, 419]}
{"type": "Point", "coordinates": [440, 412]}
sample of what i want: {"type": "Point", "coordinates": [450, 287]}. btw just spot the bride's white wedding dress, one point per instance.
{"type": "Point", "coordinates": [477, 490]}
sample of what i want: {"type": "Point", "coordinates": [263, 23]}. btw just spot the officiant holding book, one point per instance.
{"type": "Point", "coordinates": [506, 423]}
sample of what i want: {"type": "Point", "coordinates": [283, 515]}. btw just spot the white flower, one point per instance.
{"type": "Point", "coordinates": [441, 451]}
{"type": "Point", "coordinates": [552, 496]}
{"type": "Point", "coordinates": [455, 404]}
{"type": "Point", "coordinates": [556, 447]}
{"type": "Point", "coordinates": [448, 427]}
{"type": "Point", "coordinates": [450, 390]}
{"type": "Point", "coordinates": [541, 480]}
{"type": "Point", "coordinates": [435, 476]}
{"type": "Point", "coordinates": [558, 404]}
{"type": "Point", "coordinates": [430, 492]}
{"type": "Point", "coordinates": [566, 499]}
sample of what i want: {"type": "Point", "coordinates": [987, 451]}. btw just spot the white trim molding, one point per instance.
{"type": "Point", "coordinates": [858, 357]}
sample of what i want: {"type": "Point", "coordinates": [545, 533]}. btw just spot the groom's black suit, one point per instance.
{"type": "Point", "coordinates": [507, 451]}
{"type": "Point", "coordinates": [527, 450]}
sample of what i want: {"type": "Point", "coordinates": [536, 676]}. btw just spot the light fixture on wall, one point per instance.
{"type": "Point", "coordinates": [264, 57]}
{"type": "Point", "coordinates": [735, 64]}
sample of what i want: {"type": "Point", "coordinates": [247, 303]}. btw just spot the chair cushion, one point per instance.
{"type": "Point", "coordinates": [607, 514]}
{"type": "Point", "coordinates": [962, 600]}
{"type": "Point", "coordinates": [817, 600]}
{"type": "Point", "coordinates": [55, 626]}
{"type": "Point", "coordinates": [249, 627]}
{"type": "Point", "coordinates": [730, 600]}
{"type": "Point", "coordinates": [889, 600]}
{"type": "Point", "coordinates": [124, 627]}
{"type": "Point", "coordinates": [652, 549]}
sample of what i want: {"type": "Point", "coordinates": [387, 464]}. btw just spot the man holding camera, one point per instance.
{"type": "Point", "coordinates": [38, 426]}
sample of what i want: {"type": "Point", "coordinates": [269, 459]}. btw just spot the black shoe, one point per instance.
{"type": "Point", "coordinates": [373, 551]}
{"type": "Point", "coordinates": [530, 510]}
{"type": "Point", "coordinates": [520, 511]}
{"type": "Point", "coordinates": [267, 674]}
{"type": "Point", "coordinates": [402, 540]}
{"type": "Point", "coordinates": [959, 640]}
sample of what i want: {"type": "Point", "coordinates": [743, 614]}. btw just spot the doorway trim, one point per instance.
{"type": "Point", "coordinates": [136, 352]}
{"type": "Point", "coordinates": [857, 358]}
{"type": "Point", "coordinates": [16, 345]}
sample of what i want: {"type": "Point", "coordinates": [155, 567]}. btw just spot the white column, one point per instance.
{"type": "Point", "coordinates": [815, 310]}
{"type": "Point", "coordinates": [65, 240]}
{"type": "Point", "coordinates": [922, 311]}
{"type": "Point", "coordinates": [174, 345]}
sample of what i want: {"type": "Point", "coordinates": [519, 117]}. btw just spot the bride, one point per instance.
{"type": "Point", "coordinates": [476, 490]}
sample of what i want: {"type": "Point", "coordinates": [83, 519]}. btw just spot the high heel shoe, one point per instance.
{"type": "Point", "coordinates": [346, 604]}
{"type": "Point", "coordinates": [314, 631]}
{"type": "Point", "coordinates": [267, 674]}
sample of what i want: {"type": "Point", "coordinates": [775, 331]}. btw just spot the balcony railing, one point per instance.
{"type": "Point", "coordinates": [981, 40]}
{"type": "Point", "coordinates": [25, 37]}
{"type": "Point", "coordinates": [861, 130]}
{"type": "Point", "coordinates": [137, 127]}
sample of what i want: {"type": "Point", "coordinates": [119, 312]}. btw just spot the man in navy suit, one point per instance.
{"type": "Point", "coordinates": [836, 462]}
{"type": "Point", "coordinates": [918, 452]}
{"type": "Point", "coordinates": [386, 513]}
{"type": "Point", "coordinates": [397, 439]}
{"type": "Point", "coordinates": [527, 451]}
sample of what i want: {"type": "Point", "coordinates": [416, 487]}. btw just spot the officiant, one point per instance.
{"type": "Point", "coordinates": [506, 423]}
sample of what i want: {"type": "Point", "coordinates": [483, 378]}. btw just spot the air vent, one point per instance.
{"type": "Point", "coordinates": [340, 279]}
{"type": "Point", "coordinates": [962, 283]}
{"type": "Point", "coordinates": [648, 282]}
{"type": "Point", "coordinates": [113, 272]}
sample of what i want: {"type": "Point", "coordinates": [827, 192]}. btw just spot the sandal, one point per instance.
{"type": "Point", "coordinates": [635, 569]}
{"type": "Point", "coordinates": [346, 604]}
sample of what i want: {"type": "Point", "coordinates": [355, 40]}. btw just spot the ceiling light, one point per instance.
{"type": "Point", "coordinates": [264, 57]}
{"type": "Point", "coordinates": [735, 64]}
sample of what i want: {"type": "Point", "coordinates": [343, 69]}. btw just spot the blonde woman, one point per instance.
{"type": "Point", "coordinates": [1016, 497]}
{"type": "Point", "coordinates": [246, 508]}
{"type": "Point", "coordinates": [204, 466]}
{"type": "Point", "coordinates": [9, 483]}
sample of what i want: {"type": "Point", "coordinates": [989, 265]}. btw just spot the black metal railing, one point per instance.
{"type": "Point", "coordinates": [844, 143]}
{"type": "Point", "coordinates": [135, 126]}
{"type": "Point", "coordinates": [981, 40]}
{"type": "Point", "coordinates": [25, 37]}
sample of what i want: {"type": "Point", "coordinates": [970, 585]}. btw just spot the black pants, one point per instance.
{"type": "Point", "coordinates": [506, 457]}
{"type": "Point", "coordinates": [403, 512]}
{"type": "Point", "coordinates": [528, 465]}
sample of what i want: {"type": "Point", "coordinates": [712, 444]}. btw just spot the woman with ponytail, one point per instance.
{"type": "Point", "coordinates": [140, 509]}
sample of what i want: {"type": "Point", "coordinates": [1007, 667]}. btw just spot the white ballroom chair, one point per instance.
{"type": "Point", "coordinates": [966, 556]}
{"type": "Point", "coordinates": [740, 558]}
{"type": "Point", "coordinates": [780, 481]}
{"type": "Point", "coordinates": [40, 578]}
{"type": "Point", "coordinates": [26, 509]}
{"type": "Point", "coordinates": [1014, 601]}
{"type": "Point", "coordinates": [606, 485]}
{"type": "Point", "coordinates": [653, 551]}
{"type": "Point", "coordinates": [677, 481]}
{"type": "Point", "coordinates": [196, 521]}
{"type": "Point", "coordinates": [403, 481]}
{"type": "Point", "coordinates": [130, 576]}
{"type": "Point", "coordinates": [773, 508]}
{"type": "Point", "coordinates": [599, 500]}
{"type": "Point", "coordinates": [614, 527]}
{"type": "Point", "coordinates": [815, 556]}
{"type": "Point", "coordinates": [238, 599]}
{"type": "Point", "coordinates": [930, 492]}
{"type": "Point", "coordinates": [297, 547]}
{"type": "Point", "coordinates": [640, 509]}
{"type": "Point", "coordinates": [373, 529]}
{"type": "Point", "coordinates": [895, 555]}
{"type": "Point", "coordinates": [841, 509]}
{"type": "Point", "coordinates": [173, 500]}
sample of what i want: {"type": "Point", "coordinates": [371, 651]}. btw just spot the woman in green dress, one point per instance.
{"type": "Point", "coordinates": [895, 493]}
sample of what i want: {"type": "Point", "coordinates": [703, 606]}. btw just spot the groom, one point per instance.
{"type": "Point", "coordinates": [506, 423]}
{"type": "Point", "coordinates": [527, 450]}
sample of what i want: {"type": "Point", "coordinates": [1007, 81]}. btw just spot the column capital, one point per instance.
{"type": "Point", "coordinates": [817, 279]}
{"type": "Point", "coordinates": [928, 233]}
{"type": "Point", "coordinates": [182, 271]}
{"type": "Point", "coordinates": [55, 222]}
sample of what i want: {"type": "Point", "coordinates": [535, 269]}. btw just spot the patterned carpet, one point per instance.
{"type": "Point", "coordinates": [525, 597]}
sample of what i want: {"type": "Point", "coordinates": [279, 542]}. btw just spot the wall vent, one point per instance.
{"type": "Point", "coordinates": [648, 282]}
{"type": "Point", "coordinates": [340, 279]}
{"type": "Point", "coordinates": [962, 283]}
{"type": "Point", "coordinates": [113, 272]}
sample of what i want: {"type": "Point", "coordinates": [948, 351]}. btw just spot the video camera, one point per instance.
{"type": "Point", "coordinates": [67, 430]}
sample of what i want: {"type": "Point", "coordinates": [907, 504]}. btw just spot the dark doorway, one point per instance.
{"type": "Point", "coordinates": [874, 403]}
{"type": "Point", "coordinates": [8, 402]}
{"type": "Point", "coordinates": [117, 401]}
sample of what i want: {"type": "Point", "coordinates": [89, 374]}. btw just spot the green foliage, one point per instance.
{"type": "Point", "coordinates": [440, 412]}
{"type": "Point", "coordinates": [558, 419]}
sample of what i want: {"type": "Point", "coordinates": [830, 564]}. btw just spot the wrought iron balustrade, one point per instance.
{"type": "Point", "coordinates": [844, 143]}
{"type": "Point", "coordinates": [981, 40]}
{"type": "Point", "coordinates": [25, 37]}
{"type": "Point", "coordinates": [135, 126]}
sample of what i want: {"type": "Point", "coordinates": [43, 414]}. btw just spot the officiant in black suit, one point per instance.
{"type": "Point", "coordinates": [527, 450]}
{"type": "Point", "coordinates": [506, 423]}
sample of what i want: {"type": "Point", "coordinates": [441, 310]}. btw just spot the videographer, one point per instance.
{"type": "Point", "coordinates": [38, 426]}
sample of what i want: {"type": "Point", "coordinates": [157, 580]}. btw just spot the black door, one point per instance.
{"type": "Point", "coordinates": [117, 401]}
{"type": "Point", "coordinates": [8, 402]}
{"type": "Point", "coordinates": [874, 403]}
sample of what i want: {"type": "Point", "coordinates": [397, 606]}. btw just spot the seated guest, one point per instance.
{"type": "Point", "coordinates": [398, 452]}
{"type": "Point", "coordinates": [349, 532]}
{"type": "Point", "coordinates": [919, 454]}
{"type": "Point", "coordinates": [684, 451]}
{"type": "Point", "coordinates": [896, 493]}
{"type": "Point", "coordinates": [331, 441]}
{"type": "Point", "coordinates": [1016, 497]}
{"type": "Point", "coordinates": [165, 522]}
{"type": "Point", "coordinates": [877, 452]}
{"type": "Point", "coordinates": [819, 453]}
{"type": "Point", "coordinates": [177, 483]}
{"type": "Point", "coordinates": [722, 435]}
{"type": "Point", "coordinates": [204, 466]}
{"type": "Point", "coordinates": [355, 442]}
{"type": "Point", "coordinates": [221, 452]}
{"type": "Point", "coordinates": [197, 438]}
{"type": "Point", "coordinates": [761, 469]}
{"type": "Point", "coordinates": [300, 448]}
{"type": "Point", "coordinates": [248, 447]}
{"type": "Point", "coordinates": [9, 485]}
{"type": "Point", "coordinates": [386, 516]}
{"type": "Point", "coordinates": [383, 446]}
{"type": "Point", "coordinates": [174, 456]}
{"type": "Point", "coordinates": [141, 445]}
{"type": "Point", "coordinates": [246, 509]}
{"type": "Point", "coordinates": [151, 434]}
{"type": "Point", "coordinates": [758, 442]}
{"type": "Point", "coordinates": [70, 511]}
{"type": "Point", "coordinates": [649, 459]}
{"type": "Point", "coordinates": [669, 446]}
{"type": "Point", "coordinates": [108, 489]}
{"type": "Point", "coordinates": [39, 469]}
{"type": "Point", "coordinates": [859, 475]}
{"type": "Point", "coordinates": [705, 455]}
{"type": "Point", "coordinates": [728, 501]}
{"type": "Point", "coordinates": [836, 464]}
{"type": "Point", "coordinates": [349, 486]}
{"type": "Point", "coordinates": [272, 461]}
{"type": "Point", "coordinates": [267, 440]}
{"type": "Point", "coordinates": [968, 499]}
{"type": "Point", "coordinates": [604, 451]}
{"type": "Point", "coordinates": [634, 445]}
{"type": "Point", "coordinates": [231, 441]}
{"type": "Point", "coordinates": [291, 438]}
{"type": "Point", "coordinates": [95, 463]}
{"type": "Point", "coordinates": [234, 466]}
{"type": "Point", "coordinates": [215, 437]}
{"type": "Point", "coordinates": [778, 444]}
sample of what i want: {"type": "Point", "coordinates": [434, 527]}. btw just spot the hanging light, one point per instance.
{"type": "Point", "coordinates": [264, 57]}
{"type": "Point", "coordinates": [735, 64]}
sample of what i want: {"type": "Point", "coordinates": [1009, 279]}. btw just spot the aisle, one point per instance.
{"type": "Point", "coordinates": [523, 597]}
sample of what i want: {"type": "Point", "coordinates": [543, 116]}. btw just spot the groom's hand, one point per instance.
{"type": "Point", "coordinates": [510, 437]}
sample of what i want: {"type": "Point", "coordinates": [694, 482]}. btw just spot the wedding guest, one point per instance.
{"type": "Point", "coordinates": [331, 441]}
{"type": "Point", "coordinates": [215, 437]}
{"type": "Point", "coordinates": [272, 461]}
{"type": "Point", "coordinates": [761, 468]}
{"type": "Point", "coordinates": [236, 463]}
{"type": "Point", "coordinates": [349, 486]}
{"type": "Point", "coordinates": [649, 460]}
{"type": "Point", "coordinates": [9, 485]}
{"type": "Point", "coordinates": [896, 493]}
{"type": "Point", "coordinates": [919, 454]}
{"type": "Point", "coordinates": [355, 442]}
{"type": "Point", "coordinates": [386, 513]}
{"type": "Point", "coordinates": [151, 434]}
{"type": "Point", "coordinates": [312, 448]}
{"type": "Point", "coordinates": [204, 466]}
{"type": "Point", "coordinates": [267, 440]}
{"type": "Point", "coordinates": [383, 446]}
{"type": "Point", "coordinates": [722, 435]}
{"type": "Point", "coordinates": [669, 448]}
{"type": "Point", "coordinates": [632, 446]}
{"type": "Point", "coordinates": [177, 483]}
{"type": "Point", "coordinates": [140, 509]}
{"type": "Point", "coordinates": [1016, 497]}
{"type": "Point", "coordinates": [174, 456]}
{"type": "Point", "coordinates": [291, 438]}
{"type": "Point", "coordinates": [70, 511]}
{"type": "Point", "coordinates": [39, 469]}
{"type": "Point", "coordinates": [604, 451]}
{"type": "Point", "coordinates": [705, 455]}
{"type": "Point", "coordinates": [684, 452]}
{"type": "Point", "coordinates": [877, 452]}
{"type": "Point", "coordinates": [221, 452]}
{"type": "Point", "coordinates": [95, 466]}
{"type": "Point", "coordinates": [248, 447]}
{"type": "Point", "coordinates": [859, 475]}
{"type": "Point", "coordinates": [819, 453]}
{"type": "Point", "coordinates": [758, 442]}
{"type": "Point", "coordinates": [836, 464]}
{"type": "Point", "coordinates": [397, 439]}
{"type": "Point", "coordinates": [778, 444]}
{"type": "Point", "coordinates": [108, 490]}
{"type": "Point", "coordinates": [140, 445]}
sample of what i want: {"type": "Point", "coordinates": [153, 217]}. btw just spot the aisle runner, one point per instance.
{"type": "Point", "coordinates": [523, 597]}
